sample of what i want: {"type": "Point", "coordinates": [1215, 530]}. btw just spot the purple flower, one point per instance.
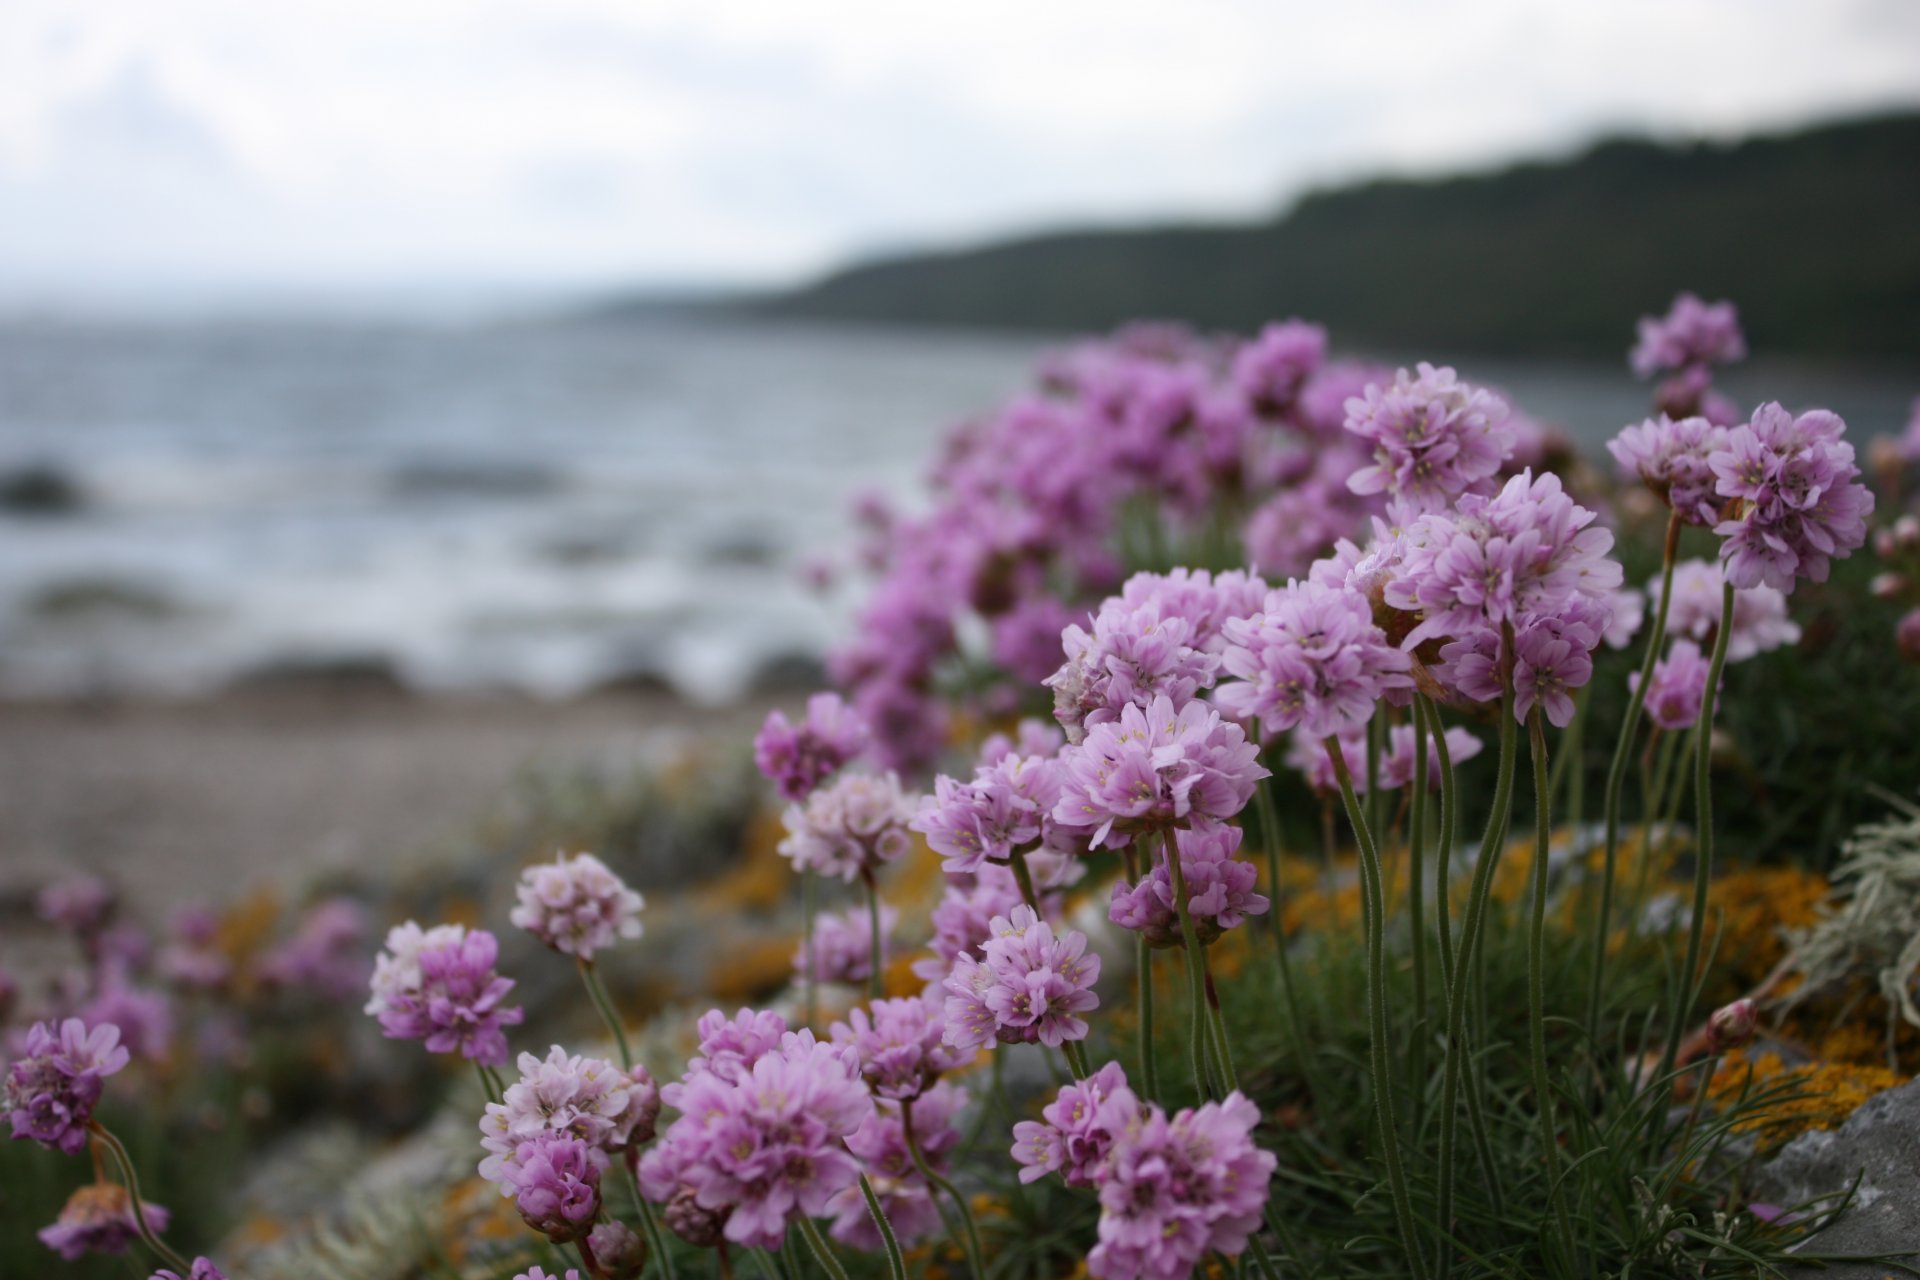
{"type": "Point", "coordinates": [1173, 1189]}
{"type": "Point", "coordinates": [1204, 601]}
{"type": "Point", "coordinates": [1628, 609]}
{"type": "Point", "coordinates": [850, 827]}
{"type": "Point", "coordinates": [1671, 459]}
{"type": "Point", "coordinates": [962, 919]}
{"type": "Point", "coordinates": [1548, 666]}
{"type": "Point", "coordinates": [1678, 687]}
{"type": "Point", "coordinates": [52, 1087]}
{"type": "Point", "coordinates": [1433, 436]}
{"type": "Point", "coordinates": [843, 946]}
{"type": "Point", "coordinates": [1313, 659]}
{"type": "Point", "coordinates": [555, 1184]}
{"type": "Point", "coordinates": [98, 1218]}
{"type": "Point", "coordinates": [323, 956]}
{"type": "Point", "coordinates": [584, 1098]}
{"type": "Point", "coordinates": [796, 759]}
{"type": "Point", "coordinates": [1156, 768]}
{"type": "Point", "coordinates": [1219, 889]}
{"type": "Point", "coordinates": [1308, 757]}
{"type": "Point", "coordinates": [1133, 656]}
{"type": "Point", "coordinates": [619, 1250]}
{"type": "Point", "coordinates": [900, 1046]}
{"type": "Point", "coordinates": [538, 1274]}
{"type": "Point", "coordinates": [576, 905]}
{"type": "Point", "coordinates": [1271, 368]}
{"type": "Point", "coordinates": [1005, 808]}
{"type": "Point", "coordinates": [1026, 986]}
{"type": "Point", "coordinates": [1396, 766]}
{"type": "Point", "coordinates": [1692, 333]}
{"type": "Point", "coordinates": [906, 1198]}
{"type": "Point", "coordinates": [202, 1269]}
{"type": "Point", "coordinates": [1077, 1129]}
{"type": "Point", "coordinates": [80, 904]}
{"type": "Point", "coordinates": [1799, 500]}
{"type": "Point", "coordinates": [439, 985]}
{"type": "Point", "coordinates": [193, 959]}
{"type": "Point", "coordinates": [144, 1018]}
{"type": "Point", "coordinates": [730, 1046]}
{"type": "Point", "coordinates": [769, 1145]}
{"type": "Point", "coordinates": [1026, 638]}
{"type": "Point", "coordinates": [1760, 621]}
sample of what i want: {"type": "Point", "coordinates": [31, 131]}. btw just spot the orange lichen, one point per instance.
{"type": "Point", "coordinates": [1819, 1095]}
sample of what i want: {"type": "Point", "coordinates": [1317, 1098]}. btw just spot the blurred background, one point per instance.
{"type": "Point", "coordinates": [397, 397]}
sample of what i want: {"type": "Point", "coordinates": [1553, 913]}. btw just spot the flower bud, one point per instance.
{"type": "Point", "coordinates": [620, 1253]}
{"type": "Point", "coordinates": [695, 1225]}
{"type": "Point", "coordinates": [1887, 586]}
{"type": "Point", "coordinates": [1906, 634]}
{"type": "Point", "coordinates": [1733, 1026]}
{"type": "Point", "coordinates": [1906, 530]}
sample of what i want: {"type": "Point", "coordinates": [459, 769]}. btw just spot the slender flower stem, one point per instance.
{"type": "Point", "coordinates": [650, 1224]}
{"type": "Point", "coordinates": [1199, 1032]}
{"type": "Point", "coordinates": [139, 1204]}
{"type": "Point", "coordinates": [971, 1240]}
{"type": "Point", "coordinates": [1374, 899]}
{"type": "Point", "coordinates": [488, 1085]}
{"type": "Point", "coordinates": [876, 954]}
{"type": "Point", "coordinates": [1417, 910]}
{"type": "Point", "coordinates": [597, 992]}
{"type": "Point", "coordinates": [1702, 841]}
{"type": "Point", "coordinates": [1076, 1058]}
{"type": "Point", "coordinates": [1376, 800]}
{"type": "Point", "coordinates": [1456, 1051]}
{"type": "Point", "coordinates": [896, 1264]}
{"type": "Point", "coordinates": [806, 947]}
{"type": "Point", "coordinates": [1537, 975]}
{"type": "Point", "coordinates": [1296, 1023]}
{"type": "Point", "coordinates": [1449, 818]}
{"type": "Point", "coordinates": [821, 1253]}
{"type": "Point", "coordinates": [1024, 878]}
{"type": "Point", "coordinates": [1616, 780]}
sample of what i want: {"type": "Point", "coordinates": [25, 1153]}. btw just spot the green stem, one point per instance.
{"type": "Point", "coordinates": [1024, 878]}
{"type": "Point", "coordinates": [1376, 930]}
{"type": "Point", "coordinates": [896, 1264]}
{"type": "Point", "coordinates": [650, 1224]}
{"type": "Point", "coordinates": [1455, 1062]}
{"type": "Point", "coordinates": [597, 992]}
{"type": "Point", "coordinates": [1198, 1032]}
{"type": "Point", "coordinates": [1616, 780]}
{"type": "Point", "coordinates": [1702, 839]}
{"type": "Point", "coordinates": [1417, 910]}
{"type": "Point", "coordinates": [1537, 974]}
{"type": "Point", "coordinates": [139, 1205]}
{"type": "Point", "coordinates": [487, 1085]}
{"type": "Point", "coordinates": [821, 1253]}
{"type": "Point", "coordinates": [876, 980]}
{"type": "Point", "coordinates": [1443, 862]}
{"type": "Point", "coordinates": [808, 977]}
{"type": "Point", "coordinates": [971, 1240]}
{"type": "Point", "coordinates": [1076, 1058]}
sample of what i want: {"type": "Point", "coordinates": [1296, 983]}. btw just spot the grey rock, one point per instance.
{"type": "Point", "coordinates": [1880, 1145]}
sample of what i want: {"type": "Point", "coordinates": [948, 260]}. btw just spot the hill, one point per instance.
{"type": "Point", "coordinates": [1813, 233]}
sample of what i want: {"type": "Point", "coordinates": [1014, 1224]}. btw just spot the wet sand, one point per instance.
{"type": "Point", "coordinates": [206, 799]}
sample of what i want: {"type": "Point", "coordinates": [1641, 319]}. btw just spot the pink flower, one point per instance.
{"type": "Point", "coordinates": [1396, 766]}
{"type": "Point", "coordinates": [851, 827]}
{"type": "Point", "coordinates": [98, 1218]}
{"type": "Point", "coordinates": [1133, 656]}
{"type": "Point", "coordinates": [1433, 436]}
{"type": "Point", "coordinates": [906, 1198]}
{"type": "Point", "coordinates": [843, 946]}
{"type": "Point", "coordinates": [1312, 659]}
{"type": "Point", "coordinates": [1692, 333]}
{"type": "Point", "coordinates": [439, 985]}
{"type": "Point", "coordinates": [796, 759]}
{"type": "Point", "coordinates": [81, 904]}
{"type": "Point", "coordinates": [1077, 1129]}
{"type": "Point", "coordinates": [900, 1045]}
{"type": "Point", "coordinates": [203, 1269]}
{"type": "Point", "coordinates": [1271, 368]}
{"type": "Point", "coordinates": [1156, 768]}
{"type": "Point", "coordinates": [1760, 621]}
{"type": "Point", "coordinates": [1548, 666]}
{"type": "Point", "coordinates": [576, 905]}
{"type": "Point", "coordinates": [555, 1184]}
{"type": "Point", "coordinates": [52, 1087]}
{"type": "Point", "coordinates": [1800, 503]}
{"type": "Point", "coordinates": [1005, 808]}
{"type": "Point", "coordinates": [1026, 986]}
{"type": "Point", "coordinates": [1219, 889]}
{"type": "Point", "coordinates": [1678, 687]}
{"type": "Point", "coordinates": [565, 1095]}
{"type": "Point", "coordinates": [1671, 459]}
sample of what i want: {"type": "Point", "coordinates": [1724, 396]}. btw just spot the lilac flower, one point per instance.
{"type": "Point", "coordinates": [730, 1046]}
{"type": "Point", "coordinates": [906, 1198]}
{"type": "Point", "coordinates": [1308, 757]}
{"type": "Point", "coordinates": [1005, 808]}
{"type": "Point", "coordinates": [1671, 459]}
{"type": "Point", "coordinates": [569, 1096]}
{"type": "Point", "coordinates": [1156, 768]}
{"type": "Point", "coordinates": [962, 919]}
{"type": "Point", "coordinates": [1026, 638]}
{"type": "Point", "coordinates": [1548, 666]}
{"type": "Point", "coordinates": [1627, 608]}
{"type": "Point", "coordinates": [1433, 436]}
{"type": "Point", "coordinates": [1799, 502]}
{"type": "Point", "coordinates": [202, 1269]}
{"type": "Point", "coordinates": [796, 759]}
{"type": "Point", "coordinates": [1031, 737]}
{"type": "Point", "coordinates": [843, 946]}
{"type": "Point", "coordinates": [1271, 368]}
{"type": "Point", "coordinates": [1204, 601]}
{"type": "Point", "coordinates": [538, 1274]}
{"type": "Point", "coordinates": [323, 956]}
{"type": "Point", "coordinates": [1692, 333]}
{"type": "Point", "coordinates": [98, 1218]}
{"type": "Point", "coordinates": [900, 1046]}
{"type": "Point", "coordinates": [851, 827]}
{"type": "Point", "coordinates": [1133, 656]}
{"type": "Point", "coordinates": [1077, 1129]}
{"type": "Point", "coordinates": [1219, 889]}
{"type": "Point", "coordinates": [144, 1018]}
{"type": "Point", "coordinates": [80, 904]}
{"type": "Point", "coordinates": [768, 1146]}
{"type": "Point", "coordinates": [439, 985]}
{"type": "Point", "coordinates": [1678, 687]}
{"type": "Point", "coordinates": [702, 1228]}
{"type": "Point", "coordinates": [1173, 1189]}
{"type": "Point", "coordinates": [1760, 621]}
{"type": "Point", "coordinates": [1298, 523]}
{"type": "Point", "coordinates": [1397, 764]}
{"type": "Point", "coordinates": [1026, 986]}
{"type": "Point", "coordinates": [1733, 1026]}
{"type": "Point", "coordinates": [1313, 659]}
{"type": "Point", "coordinates": [555, 1184]}
{"type": "Point", "coordinates": [52, 1087]}
{"type": "Point", "coordinates": [576, 905]}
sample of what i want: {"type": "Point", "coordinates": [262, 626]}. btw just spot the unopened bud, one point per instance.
{"type": "Point", "coordinates": [1906, 530]}
{"type": "Point", "coordinates": [1733, 1026]}
{"type": "Point", "coordinates": [620, 1253]}
{"type": "Point", "coordinates": [1888, 586]}
{"type": "Point", "coordinates": [1906, 634]}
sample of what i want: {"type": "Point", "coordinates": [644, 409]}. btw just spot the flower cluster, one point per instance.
{"type": "Point", "coordinates": [1077, 1129]}
{"type": "Point", "coordinates": [98, 1218]}
{"type": "Point", "coordinates": [798, 758]}
{"type": "Point", "coordinates": [52, 1087]}
{"type": "Point", "coordinates": [900, 1045]}
{"type": "Point", "coordinates": [1311, 659]}
{"type": "Point", "coordinates": [1220, 889]}
{"type": "Point", "coordinates": [1693, 334]}
{"type": "Point", "coordinates": [1760, 621]}
{"type": "Point", "coordinates": [1156, 768]}
{"type": "Point", "coordinates": [906, 1197]}
{"type": "Point", "coordinates": [1134, 655]}
{"type": "Point", "coordinates": [439, 985]}
{"type": "Point", "coordinates": [1433, 437]}
{"type": "Point", "coordinates": [1008, 807]}
{"type": "Point", "coordinates": [1026, 985]}
{"type": "Point", "coordinates": [1678, 686]}
{"type": "Point", "coordinates": [566, 1096]}
{"type": "Point", "coordinates": [850, 827]}
{"type": "Point", "coordinates": [1799, 503]}
{"type": "Point", "coordinates": [1671, 459]}
{"type": "Point", "coordinates": [576, 905]}
{"type": "Point", "coordinates": [554, 1180]}
{"type": "Point", "coordinates": [324, 954]}
{"type": "Point", "coordinates": [843, 946]}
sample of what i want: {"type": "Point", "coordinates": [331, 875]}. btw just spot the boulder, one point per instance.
{"type": "Point", "coordinates": [1880, 1145]}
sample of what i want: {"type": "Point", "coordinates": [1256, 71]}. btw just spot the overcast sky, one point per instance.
{"type": "Point", "coordinates": [150, 147]}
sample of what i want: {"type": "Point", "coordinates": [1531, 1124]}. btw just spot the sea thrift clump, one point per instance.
{"type": "Point", "coordinates": [572, 1096]}
{"type": "Point", "coordinates": [1312, 659]}
{"type": "Point", "coordinates": [52, 1087]}
{"type": "Point", "coordinates": [1077, 1129]}
{"type": "Point", "coordinates": [843, 946]}
{"type": "Point", "coordinates": [1272, 367]}
{"type": "Point", "coordinates": [730, 1046]}
{"type": "Point", "coordinates": [1027, 985]}
{"type": "Point", "coordinates": [963, 918]}
{"type": "Point", "coordinates": [900, 1045]}
{"type": "Point", "coordinates": [98, 1218]}
{"type": "Point", "coordinates": [576, 905]}
{"type": "Point", "coordinates": [439, 985]}
{"type": "Point", "coordinates": [1005, 808]}
{"type": "Point", "coordinates": [81, 904]}
{"type": "Point", "coordinates": [1156, 768]}
{"type": "Point", "coordinates": [1693, 333]}
{"type": "Point", "coordinates": [1798, 500]}
{"type": "Point", "coordinates": [768, 1146]}
{"type": "Point", "coordinates": [1219, 889]}
{"type": "Point", "coordinates": [1760, 621]}
{"type": "Point", "coordinates": [798, 758]}
{"type": "Point", "coordinates": [1678, 687]}
{"type": "Point", "coordinates": [1671, 459]}
{"type": "Point", "coordinates": [324, 955]}
{"type": "Point", "coordinates": [849, 827]}
{"type": "Point", "coordinates": [1133, 656]}
{"type": "Point", "coordinates": [1171, 1189]}
{"type": "Point", "coordinates": [555, 1184]}
{"type": "Point", "coordinates": [1434, 437]}
{"type": "Point", "coordinates": [906, 1198]}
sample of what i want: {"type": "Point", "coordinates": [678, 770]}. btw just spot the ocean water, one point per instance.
{"type": "Point", "coordinates": [542, 508]}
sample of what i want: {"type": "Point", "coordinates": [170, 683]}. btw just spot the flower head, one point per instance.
{"type": "Point", "coordinates": [900, 1045]}
{"type": "Point", "coordinates": [853, 825]}
{"type": "Point", "coordinates": [324, 955]}
{"type": "Point", "coordinates": [576, 905]}
{"type": "Point", "coordinates": [1135, 654]}
{"type": "Point", "coordinates": [1005, 808]}
{"type": "Point", "coordinates": [1271, 368]}
{"type": "Point", "coordinates": [52, 1087]}
{"type": "Point", "coordinates": [1077, 1129]}
{"type": "Point", "coordinates": [905, 1195]}
{"type": "Point", "coordinates": [1692, 333]}
{"type": "Point", "coordinates": [566, 1095]}
{"type": "Point", "coordinates": [1671, 459]}
{"type": "Point", "coordinates": [843, 946]}
{"type": "Point", "coordinates": [1760, 621]}
{"type": "Point", "coordinates": [202, 1269]}
{"type": "Point", "coordinates": [439, 985]}
{"type": "Point", "coordinates": [1397, 765]}
{"type": "Point", "coordinates": [1798, 500]}
{"type": "Point", "coordinates": [1434, 437]}
{"type": "Point", "coordinates": [1219, 889]}
{"type": "Point", "coordinates": [98, 1218]}
{"type": "Point", "coordinates": [80, 904]}
{"type": "Point", "coordinates": [1027, 985]}
{"type": "Point", "coordinates": [1678, 687]}
{"type": "Point", "coordinates": [555, 1184]}
{"type": "Point", "coordinates": [1733, 1026]}
{"type": "Point", "coordinates": [1312, 659]}
{"type": "Point", "coordinates": [1155, 768]}
{"type": "Point", "coordinates": [798, 758]}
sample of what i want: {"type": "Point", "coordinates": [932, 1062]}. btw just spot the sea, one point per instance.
{"type": "Point", "coordinates": [538, 507]}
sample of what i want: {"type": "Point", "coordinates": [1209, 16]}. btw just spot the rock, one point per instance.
{"type": "Point", "coordinates": [1879, 1144]}
{"type": "Point", "coordinates": [39, 490]}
